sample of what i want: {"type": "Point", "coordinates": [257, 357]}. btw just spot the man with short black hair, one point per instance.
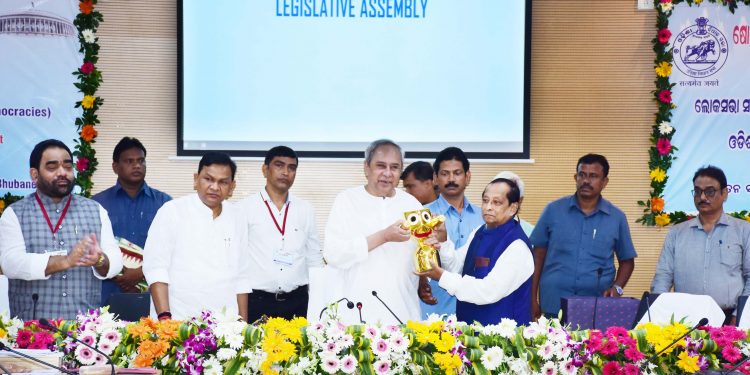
{"type": "Point", "coordinates": [50, 242]}
{"type": "Point", "coordinates": [709, 253]}
{"type": "Point", "coordinates": [452, 176]}
{"type": "Point", "coordinates": [418, 181]}
{"type": "Point", "coordinates": [195, 255]}
{"type": "Point", "coordinates": [131, 204]}
{"type": "Point", "coordinates": [575, 241]}
{"type": "Point", "coordinates": [282, 241]}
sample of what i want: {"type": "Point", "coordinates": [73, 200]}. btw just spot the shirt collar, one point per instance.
{"type": "Point", "coordinates": [47, 200]}
{"type": "Point", "coordinates": [205, 210]}
{"type": "Point", "coordinates": [696, 221]}
{"type": "Point", "coordinates": [444, 206]}
{"type": "Point", "coordinates": [145, 189]}
{"type": "Point", "coordinates": [602, 205]}
{"type": "Point", "coordinates": [266, 198]}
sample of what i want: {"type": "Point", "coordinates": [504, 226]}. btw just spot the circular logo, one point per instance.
{"type": "Point", "coordinates": [700, 50]}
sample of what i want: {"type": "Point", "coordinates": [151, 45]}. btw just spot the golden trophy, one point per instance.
{"type": "Point", "coordinates": [420, 223]}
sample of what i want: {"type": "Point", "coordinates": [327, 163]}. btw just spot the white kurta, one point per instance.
{"type": "Point", "coordinates": [202, 259]}
{"type": "Point", "coordinates": [387, 269]}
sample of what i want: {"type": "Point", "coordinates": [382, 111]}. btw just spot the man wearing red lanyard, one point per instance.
{"type": "Point", "coordinates": [55, 246]}
{"type": "Point", "coordinates": [282, 241]}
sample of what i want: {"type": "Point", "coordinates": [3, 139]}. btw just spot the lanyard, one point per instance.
{"type": "Point", "coordinates": [281, 228]}
{"type": "Point", "coordinates": [46, 216]}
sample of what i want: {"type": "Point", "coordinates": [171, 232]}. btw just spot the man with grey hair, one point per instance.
{"type": "Point", "coordinates": [365, 241]}
{"type": "Point", "coordinates": [508, 175]}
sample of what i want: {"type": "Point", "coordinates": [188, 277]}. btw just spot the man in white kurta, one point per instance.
{"type": "Point", "coordinates": [364, 241]}
{"type": "Point", "coordinates": [198, 252]}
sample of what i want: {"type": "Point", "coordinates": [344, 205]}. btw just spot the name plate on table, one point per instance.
{"type": "Point", "coordinates": [585, 312]}
{"type": "Point", "coordinates": [16, 363]}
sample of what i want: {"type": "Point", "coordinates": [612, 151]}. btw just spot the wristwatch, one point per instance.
{"type": "Point", "coordinates": [618, 289]}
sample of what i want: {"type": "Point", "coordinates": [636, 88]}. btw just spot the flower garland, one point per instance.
{"type": "Point", "coordinates": [219, 343]}
{"type": "Point", "coordinates": [661, 153]}
{"type": "Point", "coordinates": [89, 79]}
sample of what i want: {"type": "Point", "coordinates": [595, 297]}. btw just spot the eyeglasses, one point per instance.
{"type": "Point", "coordinates": [709, 192]}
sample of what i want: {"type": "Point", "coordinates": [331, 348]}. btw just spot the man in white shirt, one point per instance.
{"type": "Point", "coordinates": [364, 239]}
{"type": "Point", "coordinates": [282, 241]}
{"type": "Point", "coordinates": [49, 242]}
{"type": "Point", "coordinates": [194, 257]}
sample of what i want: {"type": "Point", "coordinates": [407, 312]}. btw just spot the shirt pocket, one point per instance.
{"type": "Point", "coordinates": [731, 257]}
{"type": "Point", "coordinates": [294, 241]}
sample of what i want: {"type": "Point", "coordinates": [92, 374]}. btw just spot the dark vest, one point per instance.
{"type": "Point", "coordinates": [491, 243]}
{"type": "Point", "coordinates": [65, 293]}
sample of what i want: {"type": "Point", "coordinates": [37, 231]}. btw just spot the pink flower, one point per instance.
{"type": "Point", "coordinates": [37, 345]}
{"type": "Point", "coordinates": [82, 164]}
{"type": "Point", "coordinates": [87, 68]}
{"type": "Point", "coordinates": [731, 354]}
{"type": "Point", "coordinates": [617, 332]}
{"type": "Point", "coordinates": [44, 338]}
{"type": "Point", "coordinates": [633, 354]}
{"type": "Point", "coordinates": [23, 338]}
{"type": "Point", "coordinates": [665, 1]}
{"type": "Point", "coordinates": [348, 364]}
{"type": "Point", "coordinates": [382, 366]}
{"type": "Point", "coordinates": [663, 35]}
{"type": "Point", "coordinates": [665, 96]}
{"type": "Point", "coordinates": [610, 348]}
{"type": "Point", "coordinates": [663, 146]}
{"type": "Point", "coordinates": [612, 368]}
{"type": "Point", "coordinates": [631, 369]}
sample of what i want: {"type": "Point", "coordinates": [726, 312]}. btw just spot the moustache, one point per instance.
{"type": "Point", "coordinates": [586, 186]}
{"type": "Point", "coordinates": [451, 185]}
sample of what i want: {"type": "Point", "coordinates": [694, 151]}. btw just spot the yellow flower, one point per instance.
{"type": "Point", "coordinates": [450, 363]}
{"type": "Point", "coordinates": [697, 1]}
{"type": "Point", "coordinates": [664, 69]}
{"type": "Point", "coordinates": [3, 333]}
{"type": "Point", "coordinates": [687, 363]}
{"type": "Point", "coordinates": [445, 342]}
{"type": "Point", "coordinates": [747, 218]}
{"type": "Point", "coordinates": [657, 174]}
{"type": "Point", "coordinates": [88, 101]}
{"type": "Point", "coordinates": [2, 207]}
{"type": "Point", "coordinates": [662, 219]}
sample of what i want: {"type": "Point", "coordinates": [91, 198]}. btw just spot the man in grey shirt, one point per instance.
{"type": "Point", "coordinates": [707, 254]}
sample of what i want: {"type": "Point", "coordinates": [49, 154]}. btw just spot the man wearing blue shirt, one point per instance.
{"type": "Point", "coordinates": [575, 241]}
{"type": "Point", "coordinates": [452, 176]}
{"type": "Point", "coordinates": [131, 205]}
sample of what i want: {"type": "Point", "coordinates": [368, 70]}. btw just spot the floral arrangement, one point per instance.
{"type": "Point", "coordinates": [220, 343]}
{"type": "Point", "coordinates": [34, 336]}
{"type": "Point", "coordinates": [661, 153]}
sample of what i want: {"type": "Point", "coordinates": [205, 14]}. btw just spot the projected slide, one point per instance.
{"type": "Point", "coordinates": [326, 77]}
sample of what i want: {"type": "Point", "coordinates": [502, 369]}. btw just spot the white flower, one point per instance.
{"type": "Point", "coordinates": [212, 366]}
{"type": "Point", "coordinates": [234, 341]}
{"type": "Point", "coordinates": [399, 342]}
{"type": "Point", "coordinates": [346, 341]}
{"type": "Point", "coordinates": [432, 318]}
{"type": "Point", "coordinates": [382, 366]}
{"type": "Point", "coordinates": [666, 7]}
{"type": "Point", "coordinates": [88, 36]}
{"type": "Point", "coordinates": [549, 368]}
{"type": "Point", "coordinates": [348, 364]}
{"type": "Point", "coordinates": [106, 347]}
{"type": "Point", "coordinates": [507, 328]}
{"type": "Point", "coordinates": [546, 351]}
{"type": "Point", "coordinates": [225, 354]}
{"type": "Point", "coordinates": [492, 358]}
{"type": "Point", "coordinates": [380, 347]}
{"type": "Point", "coordinates": [567, 368]}
{"type": "Point", "coordinates": [451, 320]}
{"type": "Point", "coordinates": [371, 332]}
{"type": "Point", "coordinates": [330, 364]}
{"type": "Point", "coordinates": [665, 128]}
{"type": "Point", "coordinates": [85, 355]}
{"type": "Point", "coordinates": [519, 366]}
{"type": "Point", "coordinates": [111, 337]}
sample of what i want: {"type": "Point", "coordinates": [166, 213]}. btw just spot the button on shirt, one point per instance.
{"type": "Point", "coordinates": [459, 227]}
{"type": "Point", "coordinates": [280, 263]}
{"type": "Point", "coordinates": [716, 263]}
{"type": "Point", "coordinates": [131, 217]}
{"type": "Point", "coordinates": [578, 246]}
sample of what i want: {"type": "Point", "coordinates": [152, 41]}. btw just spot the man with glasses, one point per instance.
{"type": "Point", "coordinates": [707, 254]}
{"type": "Point", "coordinates": [131, 205]}
{"type": "Point", "coordinates": [575, 241]}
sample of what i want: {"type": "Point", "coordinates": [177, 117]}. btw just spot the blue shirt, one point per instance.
{"type": "Point", "coordinates": [131, 217]}
{"type": "Point", "coordinates": [580, 249]}
{"type": "Point", "coordinates": [459, 227]}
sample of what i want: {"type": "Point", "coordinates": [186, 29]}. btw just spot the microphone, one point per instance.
{"type": "Point", "coordinates": [349, 305]}
{"type": "Point", "coordinates": [46, 324]}
{"type": "Point", "coordinates": [34, 300]}
{"type": "Point", "coordinates": [359, 307]}
{"type": "Point", "coordinates": [24, 355]}
{"type": "Point", "coordinates": [647, 296]}
{"type": "Point", "coordinates": [738, 365]}
{"type": "Point", "coordinates": [374, 293]}
{"type": "Point", "coordinates": [701, 323]}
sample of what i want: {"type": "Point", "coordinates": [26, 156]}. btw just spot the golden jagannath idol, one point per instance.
{"type": "Point", "coordinates": [421, 223]}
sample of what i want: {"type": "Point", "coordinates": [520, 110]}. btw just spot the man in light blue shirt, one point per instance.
{"type": "Point", "coordinates": [575, 241]}
{"type": "Point", "coordinates": [131, 205]}
{"type": "Point", "coordinates": [709, 254]}
{"type": "Point", "coordinates": [452, 176]}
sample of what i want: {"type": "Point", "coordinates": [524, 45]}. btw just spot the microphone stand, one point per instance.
{"type": "Point", "coordinates": [349, 304]}
{"type": "Point", "coordinates": [16, 352]}
{"type": "Point", "coordinates": [701, 323]}
{"type": "Point", "coordinates": [46, 324]}
{"type": "Point", "coordinates": [374, 293]}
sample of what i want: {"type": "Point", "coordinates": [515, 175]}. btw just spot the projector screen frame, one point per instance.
{"type": "Point", "coordinates": [354, 154]}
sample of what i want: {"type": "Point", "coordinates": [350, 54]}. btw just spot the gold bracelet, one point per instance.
{"type": "Point", "coordinates": [100, 262]}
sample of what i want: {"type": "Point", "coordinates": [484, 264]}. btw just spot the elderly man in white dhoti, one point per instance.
{"type": "Point", "coordinates": [364, 239]}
